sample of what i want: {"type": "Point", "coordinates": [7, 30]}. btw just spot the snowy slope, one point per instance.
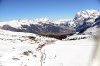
{"type": "Point", "coordinates": [18, 49]}
{"type": "Point", "coordinates": [68, 53]}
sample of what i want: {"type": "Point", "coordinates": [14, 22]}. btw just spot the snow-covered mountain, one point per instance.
{"type": "Point", "coordinates": [88, 16]}
{"type": "Point", "coordinates": [38, 26]}
{"type": "Point", "coordinates": [20, 22]}
{"type": "Point", "coordinates": [85, 19]}
{"type": "Point", "coordinates": [59, 29]}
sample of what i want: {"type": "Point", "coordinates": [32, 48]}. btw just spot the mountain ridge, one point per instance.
{"type": "Point", "coordinates": [83, 20]}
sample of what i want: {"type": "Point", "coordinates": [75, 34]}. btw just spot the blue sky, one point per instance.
{"type": "Point", "coordinates": [16, 9]}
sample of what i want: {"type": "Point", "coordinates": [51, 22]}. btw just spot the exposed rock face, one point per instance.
{"type": "Point", "coordinates": [97, 22]}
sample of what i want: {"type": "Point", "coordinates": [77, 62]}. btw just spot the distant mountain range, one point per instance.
{"type": "Point", "coordinates": [84, 22]}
